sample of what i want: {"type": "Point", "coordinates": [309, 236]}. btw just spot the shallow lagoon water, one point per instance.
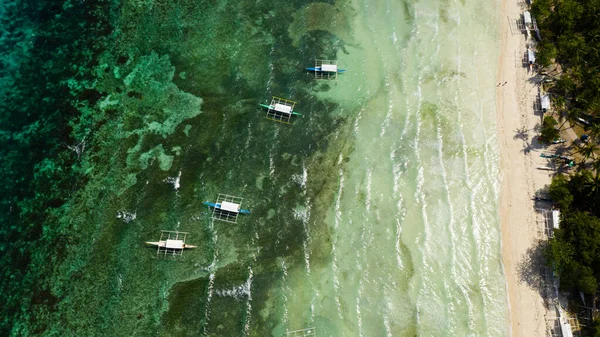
{"type": "Point", "coordinates": [414, 224]}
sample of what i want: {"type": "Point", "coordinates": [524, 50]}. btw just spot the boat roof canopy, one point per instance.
{"type": "Point", "coordinates": [531, 55]}
{"type": "Point", "coordinates": [326, 69]}
{"type": "Point", "coordinates": [280, 110]}
{"type": "Point", "coordinates": [171, 243]}
{"type": "Point", "coordinates": [227, 208]}
{"type": "Point", "coordinates": [527, 17]}
{"type": "Point", "coordinates": [286, 109]}
{"type": "Point", "coordinates": [556, 218]}
{"type": "Point", "coordinates": [329, 67]}
{"type": "Point", "coordinates": [174, 244]}
{"type": "Point", "coordinates": [230, 206]}
{"type": "Point", "coordinates": [545, 102]}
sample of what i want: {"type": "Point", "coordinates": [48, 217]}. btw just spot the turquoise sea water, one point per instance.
{"type": "Point", "coordinates": [374, 214]}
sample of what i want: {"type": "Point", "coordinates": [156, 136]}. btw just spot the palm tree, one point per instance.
{"type": "Point", "coordinates": [570, 116]}
{"type": "Point", "coordinates": [559, 104]}
{"type": "Point", "coordinates": [565, 85]}
{"type": "Point", "coordinates": [548, 131]}
{"type": "Point", "coordinates": [595, 182]}
{"type": "Point", "coordinates": [596, 168]}
{"type": "Point", "coordinates": [587, 151]}
{"type": "Point", "coordinates": [594, 132]}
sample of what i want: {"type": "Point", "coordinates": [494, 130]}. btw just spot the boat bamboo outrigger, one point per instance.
{"type": "Point", "coordinates": [325, 69]}
{"type": "Point", "coordinates": [226, 208]}
{"type": "Point", "coordinates": [527, 24]}
{"type": "Point", "coordinates": [280, 110]}
{"type": "Point", "coordinates": [171, 243]}
{"type": "Point", "coordinates": [566, 160]}
{"type": "Point", "coordinates": [546, 168]}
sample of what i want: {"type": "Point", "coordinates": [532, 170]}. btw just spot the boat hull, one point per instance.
{"type": "Point", "coordinates": [212, 204]}
{"type": "Point", "coordinates": [319, 69]}
{"type": "Point", "coordinates": [162, 244]}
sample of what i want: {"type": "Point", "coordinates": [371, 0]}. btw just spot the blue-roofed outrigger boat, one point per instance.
{"type": "Point", "coordinates": [319, 69]}
{"type": "Point", "coordinates": [218, 206]}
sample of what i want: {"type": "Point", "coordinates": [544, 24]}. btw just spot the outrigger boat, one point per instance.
{"type": "Point", "coordinates": [275, 107]}
{"type": "Point", "coordinates": [280, 110]}
{"type": "Point", "coordinates": [326, 68]}
{"type": "Point", "coordinates": [544, 155]}
{"type": "Point", "coordinates": [568, 161]}
{"type": "Point", "coordinates": [227, 206]}
{"type": "Point", "coordinates": [546, 168]}
{"type": "Point", "coordinates": [170, 244]}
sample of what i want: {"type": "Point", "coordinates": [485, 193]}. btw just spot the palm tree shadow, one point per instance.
{"type": "Point", "coordinates": [529, 142]}
{"type": "Point", "coordinates": [522, 133]}
{"type": "Point", "coordinates": [532, 270]}
{"type": "Point", "coordinates": [534, 144]}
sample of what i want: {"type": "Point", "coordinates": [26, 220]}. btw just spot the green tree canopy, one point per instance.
{"type": "Point", "coordinates": [560, 193]}
{"type": "Point", "coordinates": [549, 132]}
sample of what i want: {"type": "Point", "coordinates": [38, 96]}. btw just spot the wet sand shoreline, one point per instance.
{"type": "Point", "coordinates": [516, 122]}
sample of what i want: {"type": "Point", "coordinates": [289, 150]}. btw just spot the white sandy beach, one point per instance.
{"type": "Point", "coordinates": [520, 176]}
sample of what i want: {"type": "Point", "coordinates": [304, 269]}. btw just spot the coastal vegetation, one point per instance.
{"type": "Point", "coordinates": [571, 38]}
{"type": "Point", "coordinates": [570, 30]}
{"type": "Point", "coordinates": [549, 132]}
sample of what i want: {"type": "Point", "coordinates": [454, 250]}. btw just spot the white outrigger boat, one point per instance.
{"type": "Point", "coordinates": [326, 69]}
{"type": "Point", "coordinates": [171, 243]}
